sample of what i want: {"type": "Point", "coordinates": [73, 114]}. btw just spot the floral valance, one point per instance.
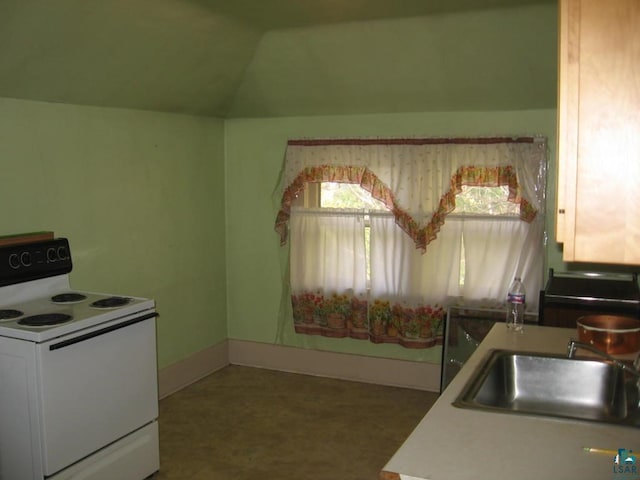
{"type": "Point", "coordinates": [417, 179]}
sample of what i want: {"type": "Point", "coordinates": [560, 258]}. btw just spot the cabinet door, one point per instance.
{"type": "Point", "coordinates": [599, 131]}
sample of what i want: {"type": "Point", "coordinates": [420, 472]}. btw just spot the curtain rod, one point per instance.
{"type": "Point", "coordinates": [413, 141]}
{"type": "Point", "coordinates": [347, 212]}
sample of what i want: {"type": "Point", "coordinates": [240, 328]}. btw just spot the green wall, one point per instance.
{"type": "Point", "coordinates": [140, 195]}
{"type": "Point", "coordinates": [254, 154]}
{"type": "Point", "coordinates": [481, 60]}
{"type": "Point", "coordinates": [181, 208]}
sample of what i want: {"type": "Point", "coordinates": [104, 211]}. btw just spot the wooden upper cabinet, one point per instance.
{"type": "Point", "coordinates": [598, 216]}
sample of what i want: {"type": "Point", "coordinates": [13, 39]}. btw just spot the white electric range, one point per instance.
{"type": "Point", "coordinates": [78, 370]}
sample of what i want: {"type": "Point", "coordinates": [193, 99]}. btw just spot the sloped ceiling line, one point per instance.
{"type": "Point", "coordinates": [250, 58]}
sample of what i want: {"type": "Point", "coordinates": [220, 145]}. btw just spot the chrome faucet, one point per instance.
{"type": "Point", "coordinates": [573, 345]}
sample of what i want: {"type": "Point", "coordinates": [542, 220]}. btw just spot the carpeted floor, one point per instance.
{"type": "Point", "coordinates": [245, 423]}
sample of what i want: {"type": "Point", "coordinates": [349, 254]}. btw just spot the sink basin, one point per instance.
{"type": "Point", "coordinates": [552, 385]}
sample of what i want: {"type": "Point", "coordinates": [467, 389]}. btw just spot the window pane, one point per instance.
{"type": "Point", "coordinates": [347, 195]}
{"type": "Point", "coordinates": [485, 201]}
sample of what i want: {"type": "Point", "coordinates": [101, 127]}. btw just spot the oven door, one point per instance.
{"type": "Point", "coordinates": [97, 386]}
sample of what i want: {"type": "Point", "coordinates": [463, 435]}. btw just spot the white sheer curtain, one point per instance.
{"type": "Point", "coordinates": [328, 251]}
{"type": "Point", "coordinates": [476, 275]}
{"type": "Point", "coordinates": [411, 288]}
{"type": "Point", "coordinates": [329, 272]}
{"type": "Point", "coordinates": [496, 250]}
{"type": "Point", "coordinates": [401, 273]}
{"type": "Point", "coordinates": [418, 248]}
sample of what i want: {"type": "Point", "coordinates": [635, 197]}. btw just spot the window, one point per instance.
{"type": "Point", "coordinates": [485, 201]}
{"type": "Point", "coordinates": [371, 254]}
{"type": "Point", "coordinates": [346, 195]}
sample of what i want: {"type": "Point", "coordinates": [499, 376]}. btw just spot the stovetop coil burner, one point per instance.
{"type": "Point", "coordinates": [70, 297]}
{"type": "Point", "coordinates": [45, 319]}
{"type": "Point", "coordinates": [110, 302]}
{"type": "Point", "coordinates": [10, 313]}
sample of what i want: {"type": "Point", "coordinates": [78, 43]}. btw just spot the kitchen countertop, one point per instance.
{"type": "Point", "coordinates": [452, 443]}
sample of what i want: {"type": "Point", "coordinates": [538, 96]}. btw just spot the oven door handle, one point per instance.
{"type": "Point", "coordinates": [102, 331]}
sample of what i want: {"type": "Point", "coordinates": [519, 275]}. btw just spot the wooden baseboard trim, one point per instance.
{"type": "Point", "coordinates": [383, 371]}
{"type": "Point", "coordinates": [185, 372]}
{"type": "Point", "coordinates": [358, 368]}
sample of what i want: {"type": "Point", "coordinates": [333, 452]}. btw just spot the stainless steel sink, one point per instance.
{"type": "Point", "coordinates": [552, 385]}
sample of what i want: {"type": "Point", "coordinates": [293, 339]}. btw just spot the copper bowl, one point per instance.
{"type": "Point", "coordinates": [612, 334]}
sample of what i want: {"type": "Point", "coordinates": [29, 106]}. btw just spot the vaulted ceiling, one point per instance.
{"type": "Point", "coordinates": [245, 58]}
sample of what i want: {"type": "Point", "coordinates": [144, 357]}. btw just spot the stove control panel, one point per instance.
{"type": "Point", "coordinates": [31, 261]}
